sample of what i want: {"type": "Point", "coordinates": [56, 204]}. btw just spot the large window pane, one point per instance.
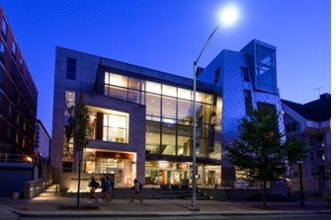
{"type": "Point", "coordinates": [153, 87]}
{"type": "Point", "coordinates": [116, 92]}
{"type": "Point", "coordinates": [153, 137]}
{"type": "Point", "coordinates": [169, 91]}
{"type": "Point", "coordinates": [153, 109]}
{"type": "Point", "coordinates": [169, 108]}
{"type": "Point", "coordinates": [184, 94]}
{"type": "Point", "coordinates": [168, 139]}
{"type": "Point", "coordinates": [115, 79]}
{"type": "Point", "coordinates": [136, 84]}
{"type": "Point", "coordinates": [184, 141]}
{"type": "Point", "coordinates": [184, 113]}
{"type": "Point", "coordinates": [135, 96]}
{"type": "Point", "coordinates": [115, 128]}
{"type": "Point", "coordinates": [266, 69]}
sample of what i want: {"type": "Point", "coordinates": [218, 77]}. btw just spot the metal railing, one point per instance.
{"type": "Point", "coordinates": [19, 158]}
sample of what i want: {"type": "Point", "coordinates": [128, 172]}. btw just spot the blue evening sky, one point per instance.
{"type": "Point", "coordinates": [168, 35]}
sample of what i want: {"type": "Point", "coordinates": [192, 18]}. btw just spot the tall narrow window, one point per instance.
{"type": "Point", "coordinates": [14, 50]}
{"type": "Point", "coordinates": [4, 29]}
{"type": "Point", "coordinates": [2, 52]}
{"type": "Point", "coordinates": [0, 103]}
{"type": "Point", "coordinates": [217, 74]}
{"type": "Point", "coordinates": [10, 112]}
{"type": "Point", "coordinates": [71, 68]}
{"type": "Point", "coordinates": [1, 77]}
{"type": "Point", "coordinates": [248, 102]}
{"type": "Point", "coordinates": [245, 74]}
{"type": "Point", "coordinates": [265, 69]}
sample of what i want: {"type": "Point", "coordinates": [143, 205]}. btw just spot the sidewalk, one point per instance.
{"type": "Point", "coordinates": [52, 206]}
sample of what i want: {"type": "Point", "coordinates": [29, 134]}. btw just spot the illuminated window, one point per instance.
{"type": "Point", "coordinates": [115, 86]}
{"type": "Point", "coordinates": [169, 91]}
{"type": "Point", "coordinates": [153, 87]}
{"type": "Point", "coordinates": [115, 127]}
{"type": "Point", "coordinates": [184, 94]}
{"type": "Point", "coordinates": [70, 98]}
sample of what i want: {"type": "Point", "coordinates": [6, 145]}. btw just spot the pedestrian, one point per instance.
{"type": "Point", "coordinates": [104, 192]}
{"type": "Point", "coordinates": [94, 185]}
{"type": "Point", "coordinates": [108, 188]}
{"type": "Point", "coordinates": [137, 188]}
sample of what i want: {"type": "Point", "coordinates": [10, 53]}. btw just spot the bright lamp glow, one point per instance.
{"type": "Point", "coordinates": [229, 15]}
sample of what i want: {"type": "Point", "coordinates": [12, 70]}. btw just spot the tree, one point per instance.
{"type": "Point", "coordinates": [79, 127]}
{"type": "Point", "coordinates": [260, 150]}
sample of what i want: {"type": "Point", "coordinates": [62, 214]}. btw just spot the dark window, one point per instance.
{"type": "Point", "coordinates": [291, 127]}
{"type": "Point", "coordinates": [2, 52]}
{"type": "Point", "coordinates": [14, 51]}
{"type": "Point", "coordinates": [4, 29]}
{"type": "Point", "coordinates": [13, 69]}
{"type": "Point", "coordinates": [217, 75]}
{"type": "Point", "coordinates": [245, 74]}
{"type": "Point", "coordinates": [10, 112]}
{"type": "Point", "coordinates": [288, 128]}
{"type": "Point", "coordinates": [67, 167]}
{"type": "Point", "coordinates": [71, 68]}
{"type": "Point", "coordinates": [248, 102]}
{"type": "Point", "coordinates": [0, 103]}
{"type": "Point", "coordinates": [266, 106]}
{"type": "Point", "coordinates": [1, 77]}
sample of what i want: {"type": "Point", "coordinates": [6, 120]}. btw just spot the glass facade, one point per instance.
{"type": "Point", "coordinates": [265, 69]}
{"type": "Point", "coordinates": [169, 114]}
{"type": "Point", "coordinates": [169, 122]}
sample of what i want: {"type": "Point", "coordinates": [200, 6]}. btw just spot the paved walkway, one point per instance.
{"type": "Point", "coordinates": [52, 206]}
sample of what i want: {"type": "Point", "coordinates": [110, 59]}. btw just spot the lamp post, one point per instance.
{"type": "Point", "coordinates": [300, 162]}
{"type": "Point", "coordinates": [228, 16]}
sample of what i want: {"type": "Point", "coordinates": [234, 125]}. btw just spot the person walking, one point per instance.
{"type": "Point", "coordinates": [94, 185]}
{"type": "Point", "coordinates": [108, 188]}
{"type": "Point", "coordinates": [137, 188]}
{"type": "Point", "coordinates": [104, 192]}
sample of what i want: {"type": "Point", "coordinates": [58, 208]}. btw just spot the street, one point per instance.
{"type": "Point", "coordinates": [210, 217]}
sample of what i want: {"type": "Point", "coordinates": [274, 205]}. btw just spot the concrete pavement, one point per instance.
{"type": "Point", "coordinates": [52, 206]}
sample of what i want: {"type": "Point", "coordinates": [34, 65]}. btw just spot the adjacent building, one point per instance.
{"type": "Point", "coordinates": [43, 141]}
{"type": "Point", "coordinates": [18, 109]}
{"type": "Point", "coordinates": [142, 119]}
{"type": "Point", "coordinates": [18, 97]}
{"type": "Point", "coordinates": [311, 122]}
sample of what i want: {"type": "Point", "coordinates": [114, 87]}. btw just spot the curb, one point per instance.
{"type": "Point", "coordinates": [151, 214]}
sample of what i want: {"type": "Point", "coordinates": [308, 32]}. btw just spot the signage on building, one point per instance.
{"type": "Point", "coordinates": [240, 184]}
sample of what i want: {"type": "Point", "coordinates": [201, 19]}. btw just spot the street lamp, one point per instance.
{"type": "Point", "coordinates": [300, 162]}
{"type": "Point", "coordinates": [228, 17]}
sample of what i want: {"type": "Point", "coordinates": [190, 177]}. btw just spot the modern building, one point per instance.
{"type": "Point", "coordinates": [311, 123]}
{"type": "Point", "coordinates": [142, 119]}
{"type": "Point", "coordinates": [43, 141]}
{"type": "Point", "coordinates": [18, 97]}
